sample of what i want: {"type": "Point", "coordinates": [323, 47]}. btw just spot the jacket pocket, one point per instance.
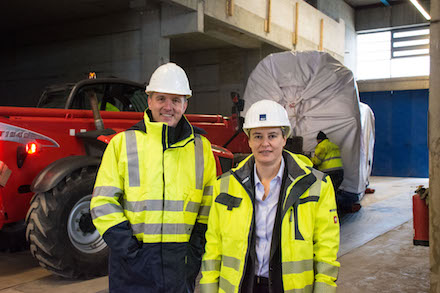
{"type": "Point", "coordinates": [228, 200]}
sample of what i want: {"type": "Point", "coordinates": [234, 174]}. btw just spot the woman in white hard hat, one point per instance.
{"type": "Point", "coordinates": [273, 225]}
{"type": "Point", "coordinates": [153, 193]}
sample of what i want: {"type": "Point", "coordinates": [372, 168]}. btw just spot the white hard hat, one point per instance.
{"type": "Point", "coordinates": [266, 113]}
{"type": "Point", "coordinates": [169, 79]}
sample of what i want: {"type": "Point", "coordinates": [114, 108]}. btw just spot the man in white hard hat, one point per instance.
{"type": "Point", "coordinates": [273, 225]}
{"type": "Point", "coordinates": [153, 193]}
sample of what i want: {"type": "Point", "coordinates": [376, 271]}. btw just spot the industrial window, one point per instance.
{"type": "Point", "coordinates": [393, 53]}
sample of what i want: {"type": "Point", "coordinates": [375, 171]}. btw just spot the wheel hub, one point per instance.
{"type": "Point", "coordinates": [82, 233]}
{"type": "Point", "coordinates": [85, 223]}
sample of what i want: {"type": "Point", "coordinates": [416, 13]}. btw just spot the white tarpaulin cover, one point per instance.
{"type": "Point", "coordinates": [319, 93]}
{"type": "Point", "coordinates": [368, 137]}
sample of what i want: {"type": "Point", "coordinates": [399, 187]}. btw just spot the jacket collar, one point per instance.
{"type": "Point", "coordinates": [295, 168]}
{"type": "Point", "coordinates": [245, 168]}
{"type": "Point", "coordinates": [322, 141]}
{"type": "Point", "coordinates": [185, 128]}
{"type": "Point", "coordinates": [245, 175]}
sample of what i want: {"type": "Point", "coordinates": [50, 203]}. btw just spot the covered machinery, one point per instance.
{"type": "Point", "coordinates": [319, 94]}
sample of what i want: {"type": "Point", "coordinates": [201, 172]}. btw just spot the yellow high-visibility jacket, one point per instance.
{"type": "Point", "coordinates": [309, 239]}
{"type": "Point", "coordinates": [156, 191]}
{"type": "Point", "coordinates": [327, 156]}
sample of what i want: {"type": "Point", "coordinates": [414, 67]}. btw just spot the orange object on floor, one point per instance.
{"type": "Point", "coordinates": [369, 190]}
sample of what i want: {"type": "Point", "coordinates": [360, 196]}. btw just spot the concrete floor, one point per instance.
{"type": "Point", "coordinates": [389, 263]}
{"type": "Point", "coordinates": [376, 254]}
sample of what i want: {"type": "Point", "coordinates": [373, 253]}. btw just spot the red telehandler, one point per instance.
{"type": "Point", "coordinates": [48, 162]}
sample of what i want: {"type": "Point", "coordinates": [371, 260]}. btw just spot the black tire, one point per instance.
{"type": "Point", "coordinates": [60, 231]}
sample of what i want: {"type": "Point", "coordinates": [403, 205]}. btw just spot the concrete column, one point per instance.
{"type": "Point", "coordinates": [434, 150]}
{"type": "Point", "coordinates": [155, 49]}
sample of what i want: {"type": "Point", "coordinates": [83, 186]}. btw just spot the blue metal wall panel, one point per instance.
{"type": "Point", "coordinates": [401, 147]}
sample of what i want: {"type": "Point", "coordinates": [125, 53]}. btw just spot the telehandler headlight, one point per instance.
{"type": "Point", "coordinates": [30, 148]}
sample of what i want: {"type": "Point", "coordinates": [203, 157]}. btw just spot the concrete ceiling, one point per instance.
{"type": "Point", "coordinates": [22, 14]}
{"type": "Point", "coordinates": [18, 14]}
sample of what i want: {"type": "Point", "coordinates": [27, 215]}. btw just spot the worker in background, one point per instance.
{"type": "Point", "coordinates": [273, 225]}
{"type": "Point", "coordinates": [153, 193]}
{"type": "Point", "coordinates": [328, 159]}
{"type": "Point", "coordinates": [108, 107]}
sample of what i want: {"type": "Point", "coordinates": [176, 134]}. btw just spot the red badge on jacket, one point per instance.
{"type": "Point", "coordinates": [335, 219]}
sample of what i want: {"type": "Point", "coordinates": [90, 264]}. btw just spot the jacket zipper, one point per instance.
{"type": "Point", "coordinates": [164, 146]}
{"type": "Point", "coordinates": [292, 224]}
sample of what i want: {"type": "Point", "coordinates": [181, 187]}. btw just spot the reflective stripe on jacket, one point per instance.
{"type": "Point", "coordinates": [327, 156]}
{"type": "Point", "coordinates": [162, 191]}
{"type": "Point", "coordinates": [309, 239]}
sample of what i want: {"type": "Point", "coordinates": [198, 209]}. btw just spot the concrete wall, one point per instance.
{"type": "Point", "coordinates": [338, 9]}
{"type": "Point", "coordinates": [215, 73]}
{"type": "Point", "coordinates": [396, 15]}
{"type": "Point", "coordinates": [126, 45]}
{"type": "Point", "coordinates": [248, 18]}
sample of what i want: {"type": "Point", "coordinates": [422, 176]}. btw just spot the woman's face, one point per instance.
{"type": "Point", "coordinates": [267, 144]}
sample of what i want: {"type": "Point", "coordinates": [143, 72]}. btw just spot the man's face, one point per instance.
{"type": "Point", "coordinates": [167, 108]}
{"type": "Point", "coordinates": [267, 144]}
